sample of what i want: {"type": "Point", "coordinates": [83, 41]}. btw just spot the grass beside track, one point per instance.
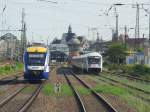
{"type": "Point", "coordinates": [82, 90]}
{"type": "Point", "coordinates": [49, 89]}
{"type": "Point", "coordinates": [10, 69]}
{"type": "Point", "coordinates": [130, 90]}
{"type": "Point", "coordinates": [123, 94]}
{"type": "Point", "coordinates": [100, 88]}
{"type": "Point", "coordinates": [134, 83]}
{"type": "Point", "coordinates": [65, 90]}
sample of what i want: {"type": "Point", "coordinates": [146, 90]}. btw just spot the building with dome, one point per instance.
{"type": "Point", "coordinates": [74, 46]}
{"type": "Point", "coordinates": [67, 36]}
{"type": "Point", "coordinates": [74, 42]}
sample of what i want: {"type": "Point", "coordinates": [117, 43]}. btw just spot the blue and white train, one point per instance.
{"type": "Point", "coordinates": [36, 63]}
{"type": "Point", "coordinates": [90, 62]}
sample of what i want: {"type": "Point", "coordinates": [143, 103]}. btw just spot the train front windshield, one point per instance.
{"type": "Point", "coordinates": [93, 60]}
{"type": "Point", "coordinates": [36, 59]}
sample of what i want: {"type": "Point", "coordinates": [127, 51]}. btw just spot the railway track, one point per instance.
{"type": "Point", "coordinates": [4, 64]}
{"type": "Point", "coordinates": [129, 77]}
{"type": "Point", "coordinates": [83, 105]}
{"type": "Point", "coordinates": [138, 95]}
{"type": "Point", "coordinates": [11, 103]}
{"type": "Point", "coordinates": [129, 86]}
{"type": "Point", "coordinates": [10, 79]}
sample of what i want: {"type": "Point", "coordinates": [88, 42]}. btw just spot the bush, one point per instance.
{"type": "Point", "coordinates": [127, 68]}
{"type": "Point", "coordinates": [141, 70]}
{"type": "Point", "coordinates": [131, 69]}
{"type": "Point", "coordinates": [113, 67]}
{"type": "Point", "coordinates": [7, 69]}
{"type": "Point", "coordinates": [105, 64]}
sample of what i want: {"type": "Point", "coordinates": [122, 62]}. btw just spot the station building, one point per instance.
{"type": "Point", "coordinates": [58, 52]}
{"type": "Point", "coordinates": [74, 42]}
{"type": "Point", "coordinates": [9, 47]}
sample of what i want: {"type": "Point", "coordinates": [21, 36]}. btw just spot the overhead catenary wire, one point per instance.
{"type": "Point", "coordinates": [83, 4]}
{"type": "Point", "coordinates": [147, 11]}
{"type": "Point", "coordinates": [3, 14]}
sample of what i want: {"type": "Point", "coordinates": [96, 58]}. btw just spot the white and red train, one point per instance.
{"type": "Point", "coordinates": [91, 62]}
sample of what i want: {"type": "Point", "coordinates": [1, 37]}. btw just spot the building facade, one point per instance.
{"type": "Point", "coordinates": [58, 53]}
{"type": "Point", "coordinates": [9, 46]}
{"type": "Point", "coordinates": [59, 47]}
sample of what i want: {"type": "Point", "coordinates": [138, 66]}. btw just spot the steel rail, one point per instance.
{"type": "Point", "coordinates": [14, 75]}
{"type": "Point", "coordinates": [143, 98]}
{"type": "Point", "coordinates": [76, 94]}
{"type": "Point", "coordinates": [98, 96]}
{"type": "Point", "coordinates": [29, 102]}
{"type": "Point", "coordinates": [146, 92]}
{"type": "Point", "coordinates": [129, 76]}
{"type": "Point", "coordinates": [132, 77]}
{"type": "Point", "coordinates": [7, 99]}
{"type": "Point", "coordinates": [8, 79]}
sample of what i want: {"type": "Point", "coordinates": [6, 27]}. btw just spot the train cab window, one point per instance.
{"type": "Point", "coordinates": [36, 59]}
{"type": "Point", "coordinates": [93, 60]}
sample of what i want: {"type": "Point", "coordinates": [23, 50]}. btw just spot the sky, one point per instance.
{"type": "Point", "coordinates": [46, 20]}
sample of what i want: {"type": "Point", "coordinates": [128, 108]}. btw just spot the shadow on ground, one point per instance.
{"type": "Point", "coordinates": [16, 81]}
{"type": "Point", "coordinates": [70, 71]}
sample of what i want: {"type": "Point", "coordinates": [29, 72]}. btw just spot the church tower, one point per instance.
{"type": "Point", "coordinates": [70, 35]}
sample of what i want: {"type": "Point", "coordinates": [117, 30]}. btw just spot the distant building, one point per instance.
{"type": "Point", "coordinates": [56, 41]}
{"type": "Point", "coordinates": [74, 47]}
{"type": "Point", "coordinates": [130, 60]}
{"type": "Point", "coordinates": [63, 40]}
{"type": "Point", "coordinates": [123, 38]}
{"type": "Point", "coordinates": [59, 47]}
{"type": "Point", "coordinates": [68, 36]}
{"type": "Point", "coordinates": [86, 45]}
{"type": "Point", "coordinates": [100, 45]}
{"type": "Point", "coordinates": [136, 42]}
{"type": "Point", "coordinates": [147, 56]}
{"type": "Point", "coordinates": [74, 42]}
{"type": "Point", "coordinates": [136, 58]}
{"type": "Point", "coordinates": [58, 52]}
{"type": "Point", "coordinates": [9, 46]}
{"type": "Point", "coordinates": [133, 42]}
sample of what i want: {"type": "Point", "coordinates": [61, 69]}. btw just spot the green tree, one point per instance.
{"type": "Point", "coordinates": [140, 49]}
{"type": "Point", "coordinates": [116, 53]}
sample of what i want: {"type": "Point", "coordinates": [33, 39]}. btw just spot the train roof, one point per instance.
{"type": "Point", "coordinates": [36, 49]}
{"type": "Point", "coordinates": [88, 55]}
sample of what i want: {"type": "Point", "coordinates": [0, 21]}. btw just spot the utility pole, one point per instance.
{"type": "Point", "coordinates": [148, 12]}
{"type": "Point", "coordinates": [117, 15]}
{"type": "Point", "coordinates": [149, 29]}
{"type": "Point", "coordinates": [137, 24]}
{"type": "Point", "coordinates": [143, 40]}
{"type": "Point", "coordinates": [117, 18]}
{"type": "Point", "coordinates": [135, 37]}
{"type": "Point", "coordinates": [125, 37]}
{"type": "Point", "coordinates": [23, 34]}
{"type": "Point", "coordinates": [48, 41]}
{"type": "Point", "coordinates": [117, 27]}
{"type": "Point", "coordinates": [3, 17]}
{"type": "Point", "coordinates": [32, 38]}
{"type": "Point", "coordinates": [93, 30]}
